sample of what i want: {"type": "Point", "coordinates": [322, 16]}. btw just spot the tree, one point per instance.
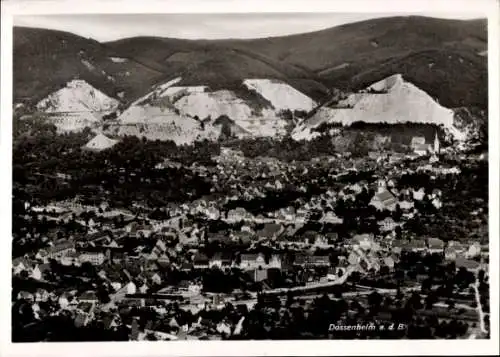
{"type": "Point", "coordinates": [415, 301]}
{"type": "Point", "coordinates": [87, 269]}
{"type": "Point", "coordinates": [398, 231]}
{"type": "Point", "coordinates": [289, 298]}
{"type": "Point", "coordinates": [398, 213]}
{"type": "Point", "coordinates": [375, 300]}
{"type": "Point", "coordinates": [481, 275]}
{"type": "Point", "coordinates": [426, 285]}
{"type": "Point", "coordinates": [103, 294]}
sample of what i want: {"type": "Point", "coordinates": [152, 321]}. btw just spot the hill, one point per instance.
{"type": "Point", "coordinates": [167, 88]}
{"type": "Point", "coordinates": [348, 57]}
{"type": "Point", "coordinates": [446, 58]}
{"type": "Point", "coordinates": [369, 41]}
{"type": "Point", "coordinates": [392, 101]}
{"type": "Point", "coordinates": [353, 55]}
{"type": "Point", "coordinates": [46, 60]}
{"type": "Point", "coordinates": [216, 64]}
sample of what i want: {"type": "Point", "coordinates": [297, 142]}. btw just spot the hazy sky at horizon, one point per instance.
{"type": "Point", "coordinates": [109, 27]}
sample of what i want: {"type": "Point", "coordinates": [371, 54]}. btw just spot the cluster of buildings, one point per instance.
{"type": "Point", "coordinates": [137, 259]}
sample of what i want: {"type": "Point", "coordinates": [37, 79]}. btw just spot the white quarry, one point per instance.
{"type": "Point", "coordinates": [391, 100]}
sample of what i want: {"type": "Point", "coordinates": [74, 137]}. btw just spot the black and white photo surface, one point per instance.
{"type": "Point", "coordinates": [251, 176]}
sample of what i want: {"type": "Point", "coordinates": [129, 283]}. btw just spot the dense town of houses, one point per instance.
{"type": "Point", "coordinates": [138, 274]}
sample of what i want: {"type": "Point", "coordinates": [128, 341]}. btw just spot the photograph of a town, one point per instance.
{"type": "Point", "coordinates": [251, 176]}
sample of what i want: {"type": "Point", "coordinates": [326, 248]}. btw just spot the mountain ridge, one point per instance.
{"type": "Point", "coordinates": [312, 62]}
{"type": "Point", "coordinates": [295, 77]}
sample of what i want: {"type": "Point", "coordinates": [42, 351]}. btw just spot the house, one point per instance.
{"type": "Point", "coordinates": [374, 155]}
{"type": "Point", "coordinates": [452, 252]}
{"type": "Point", "coordinates": [163, 260]}
{"type": "Point", "coordinates": [320, 241]}
{"type": "Point", "coordinates": [332, 274]}
{"type": "Point", "coordinates": [312, 260]}
{"type": "Point", "coordinates": [270, 231]}
{"type": "Point", "coordinates": [470, 265]}
{"type": "Point", "coordinates": [243, 237]}
{"type": "Point", "coordinates": [363, 241]}
{"type": "Point", "coordinates": [473, 251]}
{"type": "Point", "coordinates": [137, 230]}
{"type": "Point", "coordinates": [41, 295]}
{"type": "Point", "coordinates": [200, 261]}
{"type": "Point", "coordinates": [89, 296]}
{"type": "Point", "coordinates": [155, 278]}
{"type": "Point", "coordinates": [116, 285]}
{"type": "Point", "coordinates": [39, 271]}
{"type": "Point", "coordinates": [356, 188]}
{"type": "Point", "coordinates": [421, 149]}
{"type": "Point", "coordinates": [387, 225]}
{"type": "Point", "coordinates": [85, 314]}
{"type": "Point", "coordinates": [64, 300]}
{"type": "Point", "coordinates": [287, 214]}
{"type": "Point", "coordinates": [406, 205]}
{"type": "Point", "coordinates": [331, 217]}
{"type": "Point", "coordinates": [238, 214]}
{"type": "Point", "coordinates": [72, 258]}
{"type": "Point", "coordinates": [332, 237]}
{"type": "Point", "coordinates": [25, 295]}
{"type": "Point", "coordinates": [102, 274]}
{"type": "Point", "coordinates": [60, 249]}
{"type": "Point", "coordinates": [212, 213]}
{"type": "Point", "coordinates": [118, 257]}
{"type": "Point", "coordinates": [223, 328]}
{"type": "Point", "coordinates": [93, 257]}
{"type": "Point", "coordinates": [435, 245]}
{"type": "Point", "coordinates": [318, 261]}
{"type": "Point", "coordinates": [258, 261]}
{"type": "Point", "coordinates": [194, 288]}
{"type": "Point", "coordinates": [389, 262]}
{"type": "Point", "coordinates": [419, 195]}
{"type": "Point", "coordinates": [302, 214]}
{"type": "Point", "coordinates": [436, 202]}
{"type": "Point", "coordinates": [259, 275]}
{"type": "Point", "coordinates": [112, 244]}
{"type": "Point", "coordinates": [221, 260]}
{"type": "Point", "coordinates": [352, 259]}
{"type": "Point", "coordinates": [143, 289]}
{"type": "Point", "coordinates": [396, 246]}
{"type": "Point", "coordinates": [185, 266]}
{"type": "Point", "coordinates": [21, 264]}
{"type": "Point", "coordinates": [111, 321]}
{"type": "Point", "coordinates": [252, 261]}
{"type": "Point", "coordinates": [167, 163]}
{"type": "Point", "coordinates": [158, 250]}
{"type": "Point", "coordinates": [416, 141]}
{"type": "Point", "coordinates": [384, 200]}
{"type": "Point", "coordinates": [396, 157]}
{"type": "Point", "coordinates": [221, 237]}
{"type": "Point", "coordinates": [151, 265]}
{"type": "Point", "coordinates": [275, 262]}
{"type": "Point", "coordinates": [128, 289]}
{"type": "Point", "coordinates": [42, 255]}
{"type": "Point", "coordinates": [436, 193]}
{"type": "Point", "coordinates": [416, 245]}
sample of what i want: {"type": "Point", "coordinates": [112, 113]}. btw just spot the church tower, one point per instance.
{"type": "Point", "coordinates": [381, 185]}
{"type": "Point", "coordinates": [436, 144]}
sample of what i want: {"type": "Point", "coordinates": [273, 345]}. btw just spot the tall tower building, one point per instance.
{"type": "Point", "coordinates": [436, 144]}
